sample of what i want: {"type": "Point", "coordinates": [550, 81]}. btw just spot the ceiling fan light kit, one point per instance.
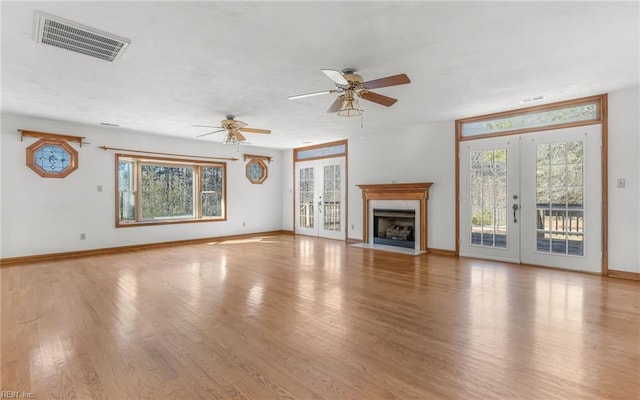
{"type": "Point", "coordinates": [350, 110]}
{"type": "Point", "coordinates": [230, 139]}
{"type": "Point", "coordinates": [350, 106]}
{"type": "Point", "coordinates": [233, 129]}
{"type": "Point", "coordinates": [352, 86]}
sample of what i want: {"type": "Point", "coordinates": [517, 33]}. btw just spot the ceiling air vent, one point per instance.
{"type": "Point", "coordinates": [82, 39]}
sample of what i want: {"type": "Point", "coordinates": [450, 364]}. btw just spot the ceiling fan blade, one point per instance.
{"type": "Point", "coordinates": [335, 76]}
{"type": "Point", "coordinates": [302, 96]}
{"type": "Point", "coordinates": [209, 133]}
{"type": "Point", "coordinates": [206, 126]}
{"type": "Point", "coordinates": [394, 80]}
{"type": "Point", "coordinates": [240, 137]}
{"type": "Point", "coordinates": [254, 130]}
{"type": "Point", "coordinates": [378, 98]}
{"type": "Point", "coordinates": [336, 105]}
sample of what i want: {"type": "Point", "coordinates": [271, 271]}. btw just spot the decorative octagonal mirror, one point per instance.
{"type": "Point", "coordinates": [52, 158]}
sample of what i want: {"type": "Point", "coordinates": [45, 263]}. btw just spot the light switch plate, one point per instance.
{"type": "Point", "coordinates": [621, 183]}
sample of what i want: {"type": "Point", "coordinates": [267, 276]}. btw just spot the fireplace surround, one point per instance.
{"type": "Point", "coordinates": [386, 194]}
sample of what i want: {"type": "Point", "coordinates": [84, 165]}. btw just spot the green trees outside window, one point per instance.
{"type": "Point", "coordinates": [154, 190]}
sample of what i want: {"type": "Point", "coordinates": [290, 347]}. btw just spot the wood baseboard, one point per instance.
{"type": "Point", "coordinates": [136, 247]}
{"type": "Point", "coordinates": [442, 252]}
{"type": "Point", "coordinates": [635, 276]}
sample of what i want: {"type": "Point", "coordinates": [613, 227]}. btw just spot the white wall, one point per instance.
{"type": "Point", "coordinates": [42, 216]}
{"type": "Point", "coordinates": [624, 203]}
{"type": "Point", "coordinates": [287, 187]}
{"type": "Point", "coordinates": [419, 154]}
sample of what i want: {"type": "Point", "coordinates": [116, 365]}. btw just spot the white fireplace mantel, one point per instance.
{"type": "Point", "coordinates": [397, 191]}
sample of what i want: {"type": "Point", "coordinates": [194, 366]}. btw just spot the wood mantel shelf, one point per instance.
{"type": "Point", "coordinates": [397, 191]}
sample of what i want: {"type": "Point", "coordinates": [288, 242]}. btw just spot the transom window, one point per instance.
{"type": "Point", "coordinates": [563, 114]}
{"type": "Point", "coordinates": [325, 150]}
{"type": "Point", "coordinates": [158, 190]}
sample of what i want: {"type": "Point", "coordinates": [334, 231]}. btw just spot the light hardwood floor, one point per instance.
{"type": "Point", "coordinates": [305, 318]}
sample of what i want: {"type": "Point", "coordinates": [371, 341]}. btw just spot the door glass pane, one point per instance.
{"type": "Point", "coordinates": [331, 198]}
{"type": "Point", "coordinates": [305, 195]}
{"type": "Point", "coordinates": [488, 198]}
{"type": "Point", "coordinates": [559, 197]}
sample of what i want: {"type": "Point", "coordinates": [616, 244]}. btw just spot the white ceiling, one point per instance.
{"type": "Point", "coordinates": [193, 62]}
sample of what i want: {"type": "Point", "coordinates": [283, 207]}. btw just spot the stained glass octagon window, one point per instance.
{"type": "Point", "coordinates": [52, 158]}
{"type": "Point", "coordinates": [256, 171]}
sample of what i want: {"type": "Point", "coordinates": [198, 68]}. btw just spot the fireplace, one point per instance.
{"type": "Point", "coordinates": [394, 227]}
{"type": "Point", "coordinates": [396, 197]}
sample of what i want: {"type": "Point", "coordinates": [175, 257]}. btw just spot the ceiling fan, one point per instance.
{"type": "Point", "coordinates": [351, 85]}
{"type": "Point", "coordinates": [233, 127]}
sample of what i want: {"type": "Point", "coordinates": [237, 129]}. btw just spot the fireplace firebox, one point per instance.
{"type": "Point", "coordinates": [394, 227]}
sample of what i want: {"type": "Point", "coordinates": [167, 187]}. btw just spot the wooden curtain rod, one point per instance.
{"type": "Point", "coordinates": [168, 154]}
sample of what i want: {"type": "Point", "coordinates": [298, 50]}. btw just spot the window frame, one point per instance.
{"type": "Point", "coordinates": [32, 152]}
{"type": "Point", "coordinates": [338, 148]}
{"type": "Point", "coordinates": [197, 165]}
{"type": "Point", "coordinates": [598, 101]}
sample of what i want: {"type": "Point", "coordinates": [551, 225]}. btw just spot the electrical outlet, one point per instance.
{"type": "Point", "coordinates": [99, 188]}
{"type": "Point", "coordinates": [244, 223]}
{"type": "Point", "coordinates": [83, 236]}
{"type": "Point", "coordinates": [353, 226]}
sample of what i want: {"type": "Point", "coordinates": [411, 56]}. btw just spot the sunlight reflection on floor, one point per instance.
{"type": "Point", "coordinates": [247, 240]}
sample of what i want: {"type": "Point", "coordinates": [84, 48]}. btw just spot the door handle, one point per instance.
{"type": "Point", "coordinates": [320, 206]}
{"type": "Point", "coordinates": [515, 208]}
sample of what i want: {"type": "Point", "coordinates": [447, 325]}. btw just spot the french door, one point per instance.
{"type": "Point", "coordinates": [533, 198]}
{"type": "Point", "coordinates": [320, 198]}
{"type": "Point", "coordinates": [489, 193]}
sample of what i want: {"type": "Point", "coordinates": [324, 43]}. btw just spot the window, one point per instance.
{"type": "Point", "coordinates": [325, 150]}
{"type": "Point", "coordinates": [52, 158]}
{"type": "Point", "coordinates": [256, 171]}
{"type": "Point", "coordinates": [157, 190]}
{"type": "Point", "coordinates": [584, 111]}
